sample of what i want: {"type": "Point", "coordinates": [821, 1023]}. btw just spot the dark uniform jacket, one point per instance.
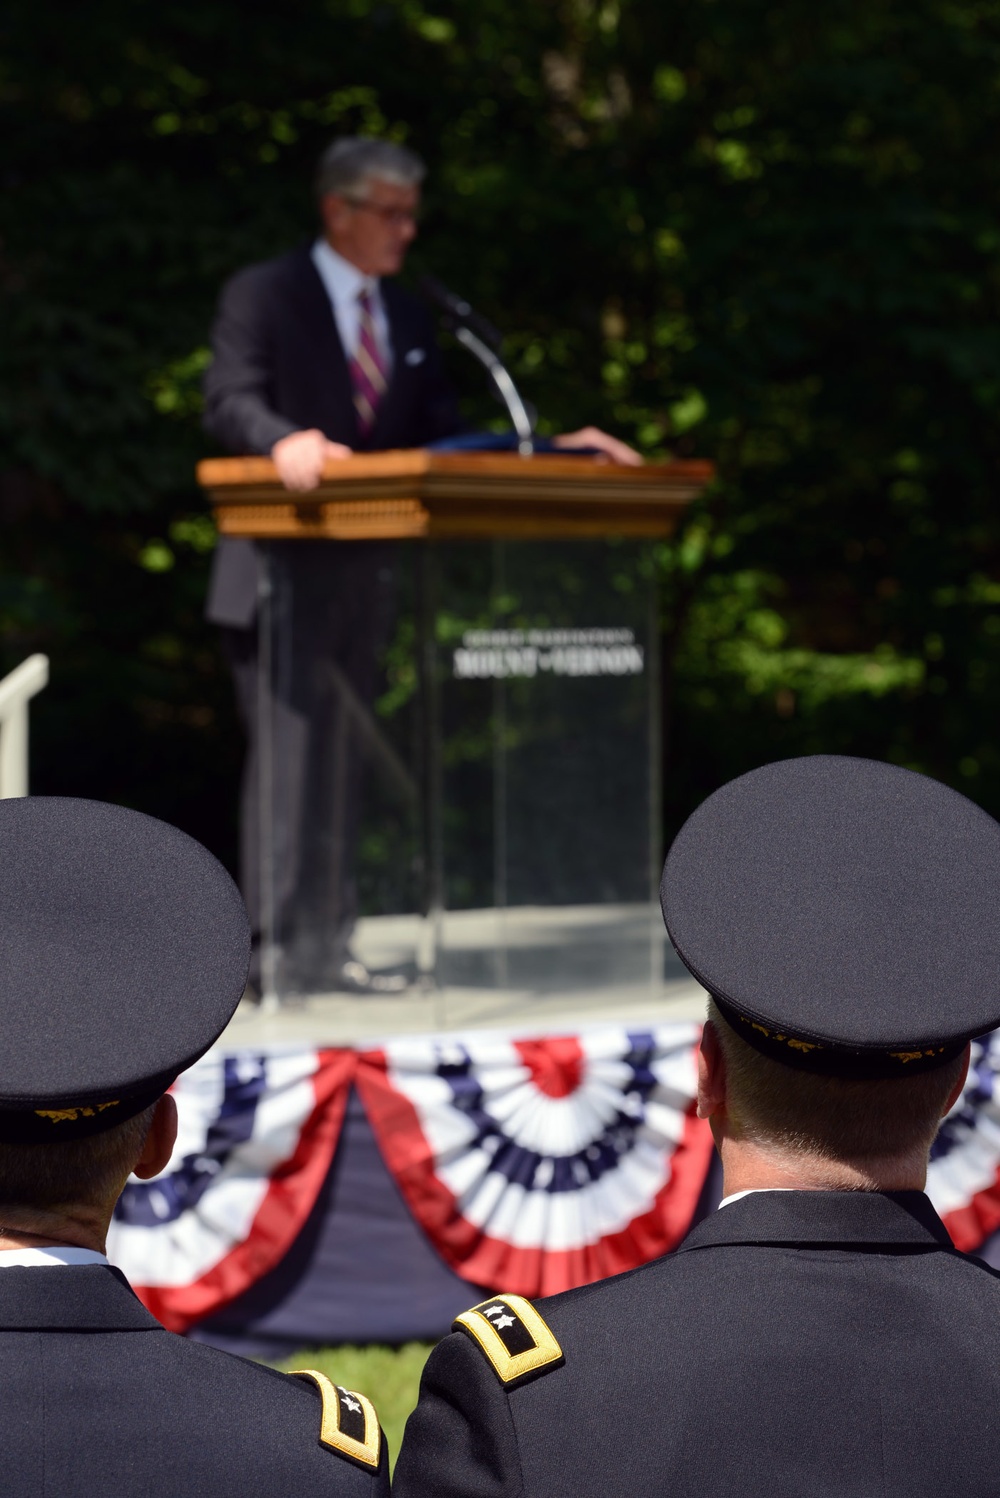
{"type": "Point", "coordinates": [797, 1343]}
{"type": "Point", "coordinates": [278, 366]}
{"type": "Point", "coordinates": [97, 1399]}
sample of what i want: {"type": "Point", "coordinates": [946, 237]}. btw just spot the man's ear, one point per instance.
{"type": "Point", "coordinates": [160, 1140]}
{"type": "Point", "coordinates": [332, 208]}
{"type": "Point", "coordinates": [956, 1091]}
{"type": "Point", "coordinates": [711, 1073]}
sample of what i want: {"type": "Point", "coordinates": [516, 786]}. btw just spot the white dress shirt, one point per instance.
{"type": "Point", "coordinates": [751, 1191]}
{"type": "Point", "coordinates": [344, 283]}
{"type": "Point", "coordinates": [44, 1258]}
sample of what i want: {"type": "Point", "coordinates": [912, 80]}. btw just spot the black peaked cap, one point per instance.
{"type": "Point", "coordinates": [844, 913]}
{"type": "Point", "coordinates": [124, 948]}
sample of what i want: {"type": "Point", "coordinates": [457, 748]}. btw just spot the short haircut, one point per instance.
{"type": "Point", "coordinates": [77, 1172]}
{"type": "Point", "coordinates": [350, 163]}
{"type": "Point", "coordinates": [835, 1118]}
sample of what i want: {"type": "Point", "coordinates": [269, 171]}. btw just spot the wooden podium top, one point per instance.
{"type": "Point", "coordinates": [451, 496]}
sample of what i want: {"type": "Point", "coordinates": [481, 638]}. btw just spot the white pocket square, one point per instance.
{"type": "Point", "coordinates": [415, 356]}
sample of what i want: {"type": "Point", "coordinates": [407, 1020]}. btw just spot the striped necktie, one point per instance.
{"type": "Point", "coordinates": [368, 375]}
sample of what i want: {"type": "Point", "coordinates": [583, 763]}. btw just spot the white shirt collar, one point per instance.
{"type": "Point", "coordinates": [43, 1258]}
{"type": "Point", "coordinates": [752, 1191]}
{"type": "Point", "coordinates": [343, 281]}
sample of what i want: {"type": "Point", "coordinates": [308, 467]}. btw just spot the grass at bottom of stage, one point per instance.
{"type": "Point", "coordinates": [390, 1376]}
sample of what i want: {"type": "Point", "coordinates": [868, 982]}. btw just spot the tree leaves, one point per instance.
{"type": "Point", "coordinates": [763, 234]}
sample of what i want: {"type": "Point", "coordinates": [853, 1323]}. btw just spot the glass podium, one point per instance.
{"type": "Point", "coordinates": [466, 800]}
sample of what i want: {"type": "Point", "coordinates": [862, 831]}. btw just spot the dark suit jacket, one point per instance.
{"type": "Point", "coordinates": [796, 1344]}
{"type": "Point", "coordinates": [96, 1398]}
{"type": "Point", "coordinates": [278, 366]}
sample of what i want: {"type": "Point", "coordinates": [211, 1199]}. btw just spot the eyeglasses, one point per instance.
{"type": "Point", "coordinates": [395, 216]}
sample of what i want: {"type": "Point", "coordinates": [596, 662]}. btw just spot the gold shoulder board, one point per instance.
{"type": "Point", "coordinates": [513, 1336]}
{"type": "Point", "coordinates": [349, 1423]}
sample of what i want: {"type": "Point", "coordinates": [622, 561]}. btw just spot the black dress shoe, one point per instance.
{"type": "Point", "coordinates": [354, 977]}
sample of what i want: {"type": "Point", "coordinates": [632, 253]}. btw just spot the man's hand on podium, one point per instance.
{"type": "Point", "coordinates": [300, 457]}
{"type": "Point", "coordinates": [610, 447]}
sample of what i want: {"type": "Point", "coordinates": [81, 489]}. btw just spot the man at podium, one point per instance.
{"type": "Point", "coordinates": [318, 354]}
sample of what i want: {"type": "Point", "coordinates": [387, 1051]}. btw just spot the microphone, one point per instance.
{"type": "Point", "coordinates": [459, 313]}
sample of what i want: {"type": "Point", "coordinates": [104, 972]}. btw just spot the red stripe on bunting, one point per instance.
{"type": "Point", "coordinates": [290, 1197]}
{"type": "Point", "coordinates": [494, 1264]}
{"type": "Point", "coordinates": [555, 1064]}
{"type": "Point", "coordinates": [972, 1224]}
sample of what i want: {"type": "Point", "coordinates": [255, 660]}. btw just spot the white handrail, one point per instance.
{"type": "Point", "coordinates": [16, 691]}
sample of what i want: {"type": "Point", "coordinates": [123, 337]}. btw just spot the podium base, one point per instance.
{"type": "Point", "coordinates": [533, 968]}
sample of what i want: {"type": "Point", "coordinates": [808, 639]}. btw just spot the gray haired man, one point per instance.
{"type": "Point", "coordinates": [318, 354]}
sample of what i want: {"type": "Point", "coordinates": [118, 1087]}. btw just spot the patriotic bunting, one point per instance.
{"type": "Point", "coordinates": [963, 1181]}
{"type": "Point", "coordinates": [256, 1139]}
{"type": "Point", "coordinates": [537, 1165]}
{"type": "Point", "coordinates": [532, 1165]}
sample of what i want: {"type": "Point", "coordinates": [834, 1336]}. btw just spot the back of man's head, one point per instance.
{"type": "Point", "coordinates": [124, 948]}
{"type": "Point", "coordinates": [350, 163]}
{"type": "Point", "coordinates": [40, 1181]}
{"type": "Point", "coordinates": [844, 1120]}
{"type": "Point", "coordinates": [842, 913]}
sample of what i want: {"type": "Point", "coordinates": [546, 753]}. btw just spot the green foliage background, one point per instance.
{"type": "Point", "coordinates": [764, 233]}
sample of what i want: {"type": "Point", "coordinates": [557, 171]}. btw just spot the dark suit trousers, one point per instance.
{"type": "Point", "coordinates": [332, 605]}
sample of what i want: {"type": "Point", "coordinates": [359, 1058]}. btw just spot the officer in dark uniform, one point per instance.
{"type": "Point", "coordinates": [123, 953]}
{"type": "Point", "coordinates": [817, 1335]}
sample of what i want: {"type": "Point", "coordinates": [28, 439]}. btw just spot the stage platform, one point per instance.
{"type": "Point", "coordinates": [531, 969]}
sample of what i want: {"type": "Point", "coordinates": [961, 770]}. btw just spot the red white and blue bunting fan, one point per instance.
{"type": "Point", "coordinates": [537, 1165]}
{"type": "Point", "coordinates": [963, 1181]}
{"type": "Point", "coordinates": [531, 1165]}
{"type": "Point", "coordinates": [256, 1139]}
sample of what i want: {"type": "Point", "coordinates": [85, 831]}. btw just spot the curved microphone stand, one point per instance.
{"type": "Point", "coordinates": [502, 379]}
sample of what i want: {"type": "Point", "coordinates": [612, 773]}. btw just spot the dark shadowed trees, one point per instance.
{"type": "Point", "coordinates": [768, 234]}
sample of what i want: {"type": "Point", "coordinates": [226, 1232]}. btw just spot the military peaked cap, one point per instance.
{"type": "Point", "coordinates": [844, 914]}
{"type": "Point", "coordinates": [124, 949]}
